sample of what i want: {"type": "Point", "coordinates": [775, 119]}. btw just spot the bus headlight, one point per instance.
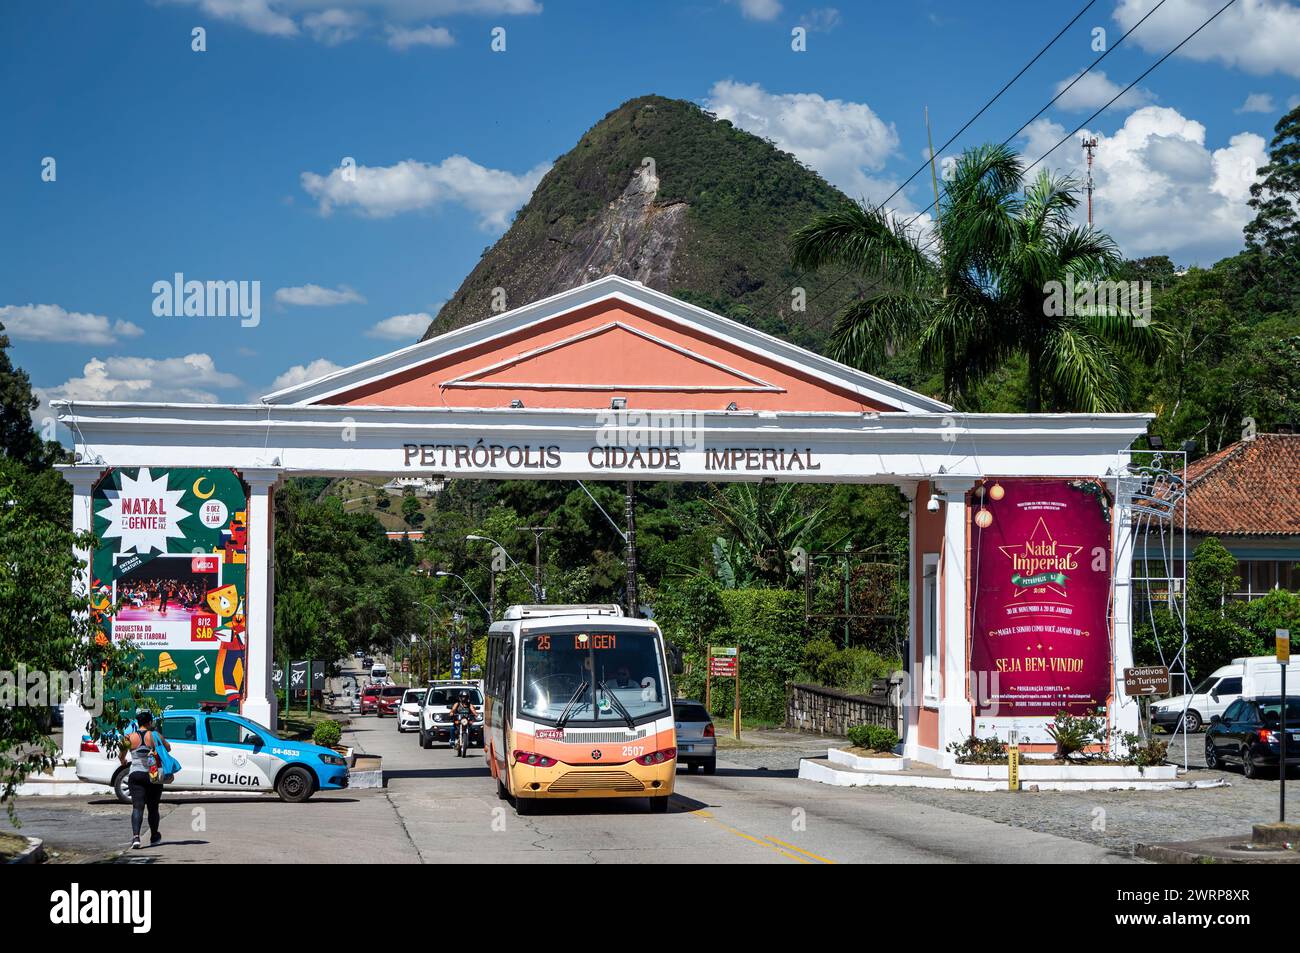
{"type": "Point", "coordinates": [532, 759]}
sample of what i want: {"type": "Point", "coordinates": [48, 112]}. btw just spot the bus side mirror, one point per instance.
{"type": "Point", "coordinates": [675, 659]}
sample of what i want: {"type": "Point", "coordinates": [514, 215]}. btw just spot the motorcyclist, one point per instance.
{"type": "Point", "coordinates": [461, 706]}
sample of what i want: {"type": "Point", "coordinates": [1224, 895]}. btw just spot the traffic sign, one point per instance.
{"type": "Point", "coordinates": [722, 666]}
{"type": "Point", "coordinates": [1146, 680]}
{"type": "Point", "coordinates": [1283, 645]}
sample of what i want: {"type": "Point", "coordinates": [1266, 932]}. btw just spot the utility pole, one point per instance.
{"type": "Point", "coordinates": [537, 532]}
{"type": "Point", "coordinates": [630, 511]}
{"type": "Point", "coordinates": [1088, 146]}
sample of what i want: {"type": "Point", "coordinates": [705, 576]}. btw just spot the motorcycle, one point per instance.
{"type": "Point", "coordinates": [462, 734]}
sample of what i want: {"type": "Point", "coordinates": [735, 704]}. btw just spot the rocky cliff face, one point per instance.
{"type": "Point", "coordinates": [636, 237]}
{"type": "Point", "coordinates": [661, 192]}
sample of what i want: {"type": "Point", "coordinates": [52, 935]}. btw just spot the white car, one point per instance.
{"type": "Point", "coordinates": [1244, 678]}
{"type": "Point", "coordinates": [435, 714]}
{"type": "Point", "coordinates": [408, 713]}
{"type": "Point", "coordinates": [219, 751]}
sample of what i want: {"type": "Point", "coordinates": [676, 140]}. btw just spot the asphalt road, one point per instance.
{"type": "Point", "coordinates": [438, 808]}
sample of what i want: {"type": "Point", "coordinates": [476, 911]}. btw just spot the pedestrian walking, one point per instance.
{"type": "Point", "coordinates": [141, 746]}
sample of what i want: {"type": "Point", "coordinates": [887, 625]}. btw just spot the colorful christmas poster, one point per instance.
{"type": "Point", "coordinates": [172, 559]}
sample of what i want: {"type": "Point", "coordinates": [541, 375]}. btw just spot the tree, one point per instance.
{"type": "Point", "coordinates": [763, 524]}
{"type": "Point", "coordinates": [986, 295]}
{"type": "Point", "coordinates": [50, 632]}
{"type": "Point", "coordinates": [410, 510]}
{"type": "Point", "coordinates": [1275, 196]}
{"type": "Point", "coordinates": [18, 440]}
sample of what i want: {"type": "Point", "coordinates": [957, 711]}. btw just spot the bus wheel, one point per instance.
{"type": "Point", "coordinates": [659, 805]}
{"type": "Point", "coordinates": [502, 793]}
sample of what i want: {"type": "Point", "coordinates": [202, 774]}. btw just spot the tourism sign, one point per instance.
{"type": "Point", "coordinates": [722, 666]}
{"type": "Point", "coordinates": [1147, 680]}
{"type": "Point", "coordinates": [169, 576]}
{"type": "Point", "coordinates": [1040, 584]}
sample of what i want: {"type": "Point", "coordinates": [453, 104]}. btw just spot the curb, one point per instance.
{"type": "Point", "coordinates": [34, 854]}
{"type": "Point", "coordinates": [1179, 854]}
{"type": "Point", "coordinates": [820, 770]}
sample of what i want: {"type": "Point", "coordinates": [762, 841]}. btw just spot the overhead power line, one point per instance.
{"type": "Point", "coordinates": [996, 96]}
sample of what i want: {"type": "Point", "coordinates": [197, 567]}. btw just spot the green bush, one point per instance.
{"type": "Point", "coordinates": [327, 734]}
{"type": "Point", "coordinates": [873, 737]}
{"type": "Point", "coordinates": [853, 669]}
{"type": "Point", "coordinates": [1144, 754]}
{"type": "Point", "coordinates": [979, 750]}
{"type": "Point", "coordinates": [1074, 733]}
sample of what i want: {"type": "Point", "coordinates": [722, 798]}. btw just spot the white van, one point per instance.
{"type": "Point", "coordinates": [379, 673]}
{"type": "Point", "coordinates": [1244, 678]}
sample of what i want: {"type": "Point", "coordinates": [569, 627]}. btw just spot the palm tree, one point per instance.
{"type": "Point", "coordinates": [980, 297]}
{"type": "Point", "coordinates": [764, 524]}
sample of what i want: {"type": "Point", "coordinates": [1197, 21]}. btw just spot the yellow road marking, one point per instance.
{"type": "Point", "coordinates": [806, 853]}
{"type": "Point", "coordinates": [707, 816]}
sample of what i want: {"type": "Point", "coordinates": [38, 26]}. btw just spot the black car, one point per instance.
{"type": "Point", "coordinates": [1249, 732]}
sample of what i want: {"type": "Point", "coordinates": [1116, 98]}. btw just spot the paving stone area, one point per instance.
{"type": "Point", "coordinates": [1116, 820]}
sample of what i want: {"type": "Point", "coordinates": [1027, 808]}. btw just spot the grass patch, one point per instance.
{"type": "Point", "coordinates": [11, 845]}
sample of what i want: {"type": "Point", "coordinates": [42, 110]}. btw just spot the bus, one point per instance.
{"type": "Point", "coordinates": [578, 704]}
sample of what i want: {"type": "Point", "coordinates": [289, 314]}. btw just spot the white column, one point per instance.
{"type": "Point", "coordinates": [1124, 711]}
{"type": "Point", "coordinates": [955, 710]}
{"type": "Point", "coordinates": [259, 700]}
{"type": "Point", "coordinates": [76, 718]}
{"type": "Point", "coordinates": [912, 690]}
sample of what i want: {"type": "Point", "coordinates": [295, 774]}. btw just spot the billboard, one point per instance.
{"type": "Point", "coordinates": [1040, 590]}
{"type": "Point", "coordinates": [172, 558]}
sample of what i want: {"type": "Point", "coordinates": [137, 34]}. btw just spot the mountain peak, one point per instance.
{"type": "Point", "coordinates": [662, 192]}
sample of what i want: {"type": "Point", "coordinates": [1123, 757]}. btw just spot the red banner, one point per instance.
{"type": "Point", "coordinates": [1040, 585]}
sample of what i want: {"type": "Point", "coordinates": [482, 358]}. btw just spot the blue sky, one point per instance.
{"type": "Point", "coordinates": [225, 164]}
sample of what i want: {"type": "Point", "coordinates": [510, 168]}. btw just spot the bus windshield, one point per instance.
{"type": "Point", "coordinates": [597, 676]}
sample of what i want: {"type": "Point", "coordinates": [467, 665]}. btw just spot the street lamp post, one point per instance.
{"type": "Point", "coordinates": [469, 589]}
{"type": "Point", "coordinates": [534, 586]}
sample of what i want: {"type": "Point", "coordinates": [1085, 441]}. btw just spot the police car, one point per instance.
{"type": "Point", "coordinates": [220, 751]}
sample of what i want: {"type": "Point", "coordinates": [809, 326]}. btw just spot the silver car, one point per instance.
{"type": "Point", "coordinates": [697, 744]}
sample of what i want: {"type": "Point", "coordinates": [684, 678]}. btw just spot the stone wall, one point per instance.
{"type": "Point", "coordinates": [830, 711]}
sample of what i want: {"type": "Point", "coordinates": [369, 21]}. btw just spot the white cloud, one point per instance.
{"type": "Point", "coordinates": [1095, 90]}
{"type": "Point", "coordinates": [1159, 188]}
{"type": "Point", "coordinates": [334, 26]}
{"type": "Point", "coordinates": [820, 20]}
{"type": "Point", "coordinates": [260, 16]}
{"type": "Point", "coordinates": [1258, 36]}
{"type": "Point", "coordinates": [384, 191]}
{"type": "Point", "coordinates": [1257, 103]}
{"type": "Point", "coordinates": [403, 38]}
{"type": "Point", "coordinates": [402, 327]}
{"type": "Point", "coordinates": [49, 322]}
{"type": "Point", "coordinates": [758, 9]}
{"type": "Point", "coordinates": [188, 379]}
{"type": "Point", "coordinates": [314, 296]}
{"type": "Point", "coordinates": [301, 373]}
{"type": "Point", "coordinates": [336, 21]}
{"type": "Point", "coordinates": [844, 141]}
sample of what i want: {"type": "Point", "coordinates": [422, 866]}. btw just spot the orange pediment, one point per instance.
{"type": "Point", "coordinates": [612, 347]}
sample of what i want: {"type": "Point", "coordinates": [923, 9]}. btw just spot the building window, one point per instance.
{"type": "Point", "coordinates": [931, 666]}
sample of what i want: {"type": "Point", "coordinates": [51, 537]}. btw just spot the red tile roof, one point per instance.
{"type": "Point", "coordinates": [1251, 488]}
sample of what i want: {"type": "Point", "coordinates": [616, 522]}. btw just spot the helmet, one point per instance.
{"type": "Point", "coordinates": [464, 695]}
